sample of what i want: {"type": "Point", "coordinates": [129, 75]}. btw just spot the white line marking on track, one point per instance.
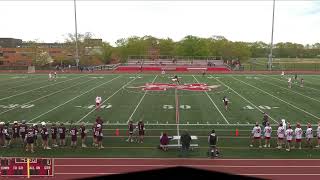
{"type": "Point", "coordinates": [278, 98]}
{"type": "Point", "coordinates": [140, 101]}
{"type": "Point", "coordinates": [73, 99]}
{"type": "Point", "coordinates": [213, 103]}
{"type": "Point", "coordinates": [105, 101]}
{"type": "Point", "coordinates": [244, 99]}
{"type": "Point", "coordinates": [39, 88]}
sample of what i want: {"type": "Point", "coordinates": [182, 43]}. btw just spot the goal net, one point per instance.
{"type": "Point", "coordinates": [31, 69]}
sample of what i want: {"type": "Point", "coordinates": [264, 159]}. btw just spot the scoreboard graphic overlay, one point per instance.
{"type": "Point", "coordinates": [21, 167]}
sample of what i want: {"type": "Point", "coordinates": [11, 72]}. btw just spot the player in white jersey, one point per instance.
{"type": "Point", "coordinates": [309, 135]}
{"type": "Point", "coordinates": [267, 134]}
{"type": "Point", "coordinates": [50, 76]}
{"type": "Point", "coordinates": [318, 135]}
{"type": "Point", "coordinates": [289, 82]}
{"type": "Point", "coordinates": [98, 102]}
{"type": "Point", "coordinates": [298, 134]}
{"type": "Point", "coordinates": [289, 136]}
{"type": "Point", "coordinates": [256, 135]}
{"type": "Point", "coordinates": [163, 72]}
{"type": "Point", "coordinates": [280, 134]}
{"type": "Point", "coordinates": [282, 74]}
{"type": "Point", "coordinates": [301, 82]}
{"type": "Point", "coordinates": [284, 125]}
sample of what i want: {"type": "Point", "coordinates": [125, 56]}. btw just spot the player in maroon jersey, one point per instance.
{"type": "Point", "coordinates": [54, 132]}
{"type": "Point", "coordinates": [44, 135]}
{"type": "Point", "coordinates": [30, 137]}
{"type": "Point", "coordinates": [83, 134]}
{"type": "Point", "coordinates": [7, 135]}
{"type": "Point", "coordinates": [141, 130]}
{"type": "Point", "coordinates": [99, 135]}
{"type": "Point", "coordinates": [62, 134]}
{"type": "Point", "coordinates": [36, 131]}
{"type": "Point", "coordinates": [74, 133]}
{"type": "Point", "coordinates": [1, 134]}
{"type": "Point", "coordinates": [16, 132]}
{"type": "Point", "coordinates": [130, 128]}
{"type": "Point", "coordinates": [99, 120]}
{"type": "Point", "coordinates": [94, 137]}
{"type": "Point", "coordinates": [23, 130]}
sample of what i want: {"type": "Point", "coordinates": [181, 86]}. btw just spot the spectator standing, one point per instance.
{"type": "Point", "coordinates": [212, 140]}
{"type": "Point", "coordinates": [185, 140]}
{"type": "Point", "coordinates": [164, 141]}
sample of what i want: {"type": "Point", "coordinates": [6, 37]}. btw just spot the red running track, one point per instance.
{"type": "Point", "coordinates": [69, 168]}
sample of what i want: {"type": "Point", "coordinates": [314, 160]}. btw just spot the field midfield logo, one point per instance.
{"type": "Point", "coordinates": [187, 87]}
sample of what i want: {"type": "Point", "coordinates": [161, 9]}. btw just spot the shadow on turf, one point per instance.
{"type": "Point", "coordinates": [175, 172]}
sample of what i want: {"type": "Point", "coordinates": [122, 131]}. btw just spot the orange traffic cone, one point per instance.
{"type": "Point", "coordinates": [237, 132]}
{"type": "Point", "coordinates": [117, 132]}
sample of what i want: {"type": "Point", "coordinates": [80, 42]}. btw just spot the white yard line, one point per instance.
{"type": "Point", "coordinates": [35, 82]}
{"type": "Point", "coordinates": [291, 91]}
{"type": "Point", "coordinates": [213, 103]}
{"type": "Point", "coordinates": [278, 98]}
{"type": "Point", "coordinates": [44, 96]}
{"type": "Point", "coordinates": [72, 99]}
{"type": "Point", "coordinates": [39, 88]}
{"type": "Point", "coordinates": [307, 87]}
{"type": "Point", "coordinates": [245, 99]}
{"type": "Point", "coordinates": [105, 100]}
{"type": "Point", "coordinates": [140, 101]}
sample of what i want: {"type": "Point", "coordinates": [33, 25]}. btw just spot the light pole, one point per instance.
{"type": "Point", "coordinates": [271, 44]}
{"type": "Point", "coordinates": [76, 33]}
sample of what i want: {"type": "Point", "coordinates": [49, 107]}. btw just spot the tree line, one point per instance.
{"type": "Point", "coordinates": [188, 46]}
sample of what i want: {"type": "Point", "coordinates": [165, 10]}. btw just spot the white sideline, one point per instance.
{"type": "Point", "coordinates": [213, 103]}
{"type": "Point", "coordinates": [44, 96]}
{"type": "Point", "coordinates": [245, 99]}
{"type": "Point", "coordinates": [126, 124]}
{"type": "Point", "coordinates": [105, 100]}
{"type": "Point", "coordinates": [278, 98]}
{"type": "Point", "coordinates": [140, 101]}
{"type": "Point", "coordinates": [38, 88]}
{"type": "Point", "coordinates": [72, 99]}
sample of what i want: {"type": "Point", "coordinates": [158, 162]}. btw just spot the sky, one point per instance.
{"type": "Point", "coordinates": [250, 21]}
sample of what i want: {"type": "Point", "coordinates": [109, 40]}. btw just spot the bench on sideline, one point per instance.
{"type": "Point", "coordinates": [175, 138]}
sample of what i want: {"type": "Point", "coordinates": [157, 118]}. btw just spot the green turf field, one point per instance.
{"type": "Point", "coordinates": [71, 99]}
{"type": "Point", "coordinates": [289, 64]}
